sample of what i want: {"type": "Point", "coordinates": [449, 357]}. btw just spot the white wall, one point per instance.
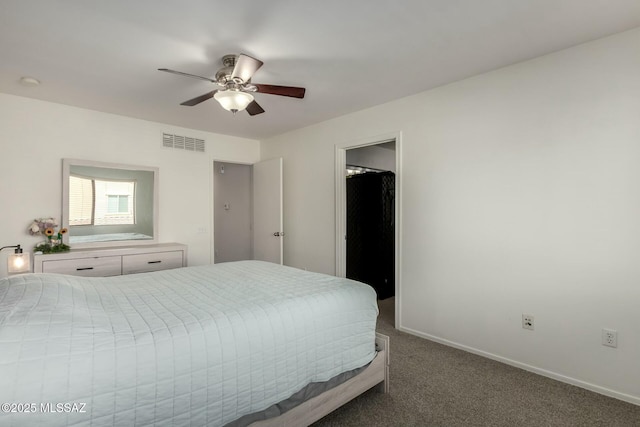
{"type": "Point", "coordinates": [521, 194]}
{"type": "Point", "coordinates": [36, 135]}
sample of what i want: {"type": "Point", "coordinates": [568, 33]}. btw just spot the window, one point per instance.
{"type": "Point", "coordinates": [81, 198]}
{"type": "Point", "coordinates": [118, 204]}
{"type": "Point", "coordinates": [101, 202]}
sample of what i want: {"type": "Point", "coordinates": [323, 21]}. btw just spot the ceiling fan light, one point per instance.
{"type": "Point", "coordinates": [233, 100]}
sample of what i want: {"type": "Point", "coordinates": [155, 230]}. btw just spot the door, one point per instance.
{"type": "Point", "coordinates": [268, 234]}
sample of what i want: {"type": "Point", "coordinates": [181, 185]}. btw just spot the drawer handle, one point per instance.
{"type": "Point", "coordinates": [154, 262]}
{"type": "Point", "coordinates": [84, 268]}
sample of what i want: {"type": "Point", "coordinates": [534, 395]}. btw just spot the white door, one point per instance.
{"type": "Point", "coordinates": [267, 211]}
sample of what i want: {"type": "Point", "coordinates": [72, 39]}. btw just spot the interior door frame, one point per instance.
{"type": "Point", "coordinates": [341, 206]}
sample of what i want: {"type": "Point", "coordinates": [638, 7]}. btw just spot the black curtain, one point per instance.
{"type": "Point", "coordinates": [371, 231]}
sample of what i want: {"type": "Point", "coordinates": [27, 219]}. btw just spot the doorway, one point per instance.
{"type": "Point", "coordinates": [247, 211]}
{"type": "Point", "coordinates": [370, 217]}
{"type": "Point", "coordinates": [380, 154]}
{"type": "Point", "coordinates": [232, 212]}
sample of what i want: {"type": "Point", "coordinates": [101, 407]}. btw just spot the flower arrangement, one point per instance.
{"type": "Point", "coordinates": [46, 227]}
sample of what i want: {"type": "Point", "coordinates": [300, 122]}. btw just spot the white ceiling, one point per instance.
{"type": "Point", "coordinates": [350, 55]}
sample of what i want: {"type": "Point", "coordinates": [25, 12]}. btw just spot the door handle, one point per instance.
{"type": "Point", "coordinates": [279, 234]}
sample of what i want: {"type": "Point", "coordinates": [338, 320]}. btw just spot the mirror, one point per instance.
{"type": "Point", "coordinates": [106, 204]}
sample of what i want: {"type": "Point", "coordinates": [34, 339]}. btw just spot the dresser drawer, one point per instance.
{"type": "Point", "coordinates": [94, 267]}
{"type": "Point", "coordinates": [113, 261]}
{"type": "Point", "coordinates": [151, 262]}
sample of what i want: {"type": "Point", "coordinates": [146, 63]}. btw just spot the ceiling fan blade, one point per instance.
{"type": "Point", "coordinates": [245, 67]}
{"type": "Point", "coordinates": [254, 108]}
{"type": "Point", "coordinates": [180, 73]}
{"type": "Point", "coordinates": [293, 92]}
{"type": "Point", "coordinates": [197, 100]}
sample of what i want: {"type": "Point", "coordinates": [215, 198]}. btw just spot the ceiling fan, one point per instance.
{"type": "Point", "coordinates": [234, 78]}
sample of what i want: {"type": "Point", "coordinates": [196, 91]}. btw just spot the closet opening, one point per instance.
{"type": "Point", "coordinates": [368, 218]}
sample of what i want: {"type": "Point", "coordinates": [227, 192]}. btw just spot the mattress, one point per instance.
{"type": "Point", "coordinates": [192, 346]}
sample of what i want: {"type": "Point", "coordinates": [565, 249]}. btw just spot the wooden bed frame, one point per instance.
{"type": "Point", "coordinates": [376, 374]}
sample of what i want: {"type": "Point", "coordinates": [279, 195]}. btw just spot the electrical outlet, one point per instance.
{"type": "Point", "coordinates": [610, 338]}
{"type": "Point", "coordinates": [527, 321]}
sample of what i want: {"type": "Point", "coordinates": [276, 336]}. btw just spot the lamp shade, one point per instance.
{"type": "Point", "coordinates": [18, 263]}
{"type": "Point", "coordinates": [233, 100]}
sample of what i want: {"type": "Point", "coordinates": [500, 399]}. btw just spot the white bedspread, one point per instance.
{"type": "Point", "coordinates": [192, 346]}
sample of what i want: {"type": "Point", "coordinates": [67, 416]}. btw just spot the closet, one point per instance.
{"type": "Point", "coordinates": [371, 230]}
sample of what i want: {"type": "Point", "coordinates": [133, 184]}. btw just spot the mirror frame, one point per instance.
{"type": "Point", "coordinates": [66, 169]}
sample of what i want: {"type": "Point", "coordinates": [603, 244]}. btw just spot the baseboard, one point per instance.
{"type": "Point", "coordinates": [553, 375]}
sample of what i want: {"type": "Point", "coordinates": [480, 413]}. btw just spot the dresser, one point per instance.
{"type": "Point", "coordinates": [113, 261]}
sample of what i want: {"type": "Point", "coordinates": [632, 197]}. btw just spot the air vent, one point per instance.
{"type": "Point", "coordinates": [183, 143]}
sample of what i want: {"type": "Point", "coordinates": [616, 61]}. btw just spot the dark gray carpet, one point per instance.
{"type": "Point", "coordinates": [436, 385]}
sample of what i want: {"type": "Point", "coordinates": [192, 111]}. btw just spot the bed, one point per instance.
{"type": "Point", "coordinates": [218, 345]}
